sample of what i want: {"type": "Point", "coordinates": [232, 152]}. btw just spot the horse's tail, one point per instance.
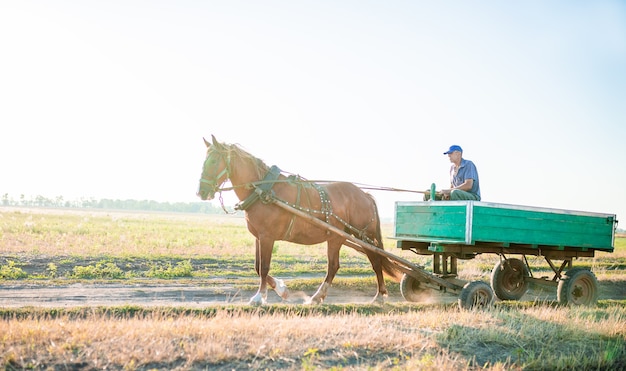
{"type": "Point", "coordinates": [389, 268]}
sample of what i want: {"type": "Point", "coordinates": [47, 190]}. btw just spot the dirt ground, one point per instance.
{"type": "Point", "coordinates": [188, 295]}
{"type": "Point", "coordinates": [203, 294]}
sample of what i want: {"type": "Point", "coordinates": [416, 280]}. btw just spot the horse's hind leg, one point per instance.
{"type": "Point", "coordinates": [382, 293]}
{"type": "Point", "coordinates": [333, 267]}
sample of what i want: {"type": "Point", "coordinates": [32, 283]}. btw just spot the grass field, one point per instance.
{"type": "Point", "coordinates": [52, 247]}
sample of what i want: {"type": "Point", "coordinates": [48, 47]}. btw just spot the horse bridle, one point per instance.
{"type": "Point", "coordinates": [214, 187]}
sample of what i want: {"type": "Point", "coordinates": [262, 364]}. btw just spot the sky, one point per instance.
{"type": "Point", "coordinates": [111, 99]}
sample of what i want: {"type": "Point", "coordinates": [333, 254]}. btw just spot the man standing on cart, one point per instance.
{"type": "Point", "coordinates": [464, 184]}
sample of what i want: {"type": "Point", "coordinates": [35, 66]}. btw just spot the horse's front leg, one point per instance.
{"type": "Point", "coordinates": [333, 266]}
{"type": "Point", "coordinates": [279, 286]}
{"type": "Point", "coordinates": [263, 257]}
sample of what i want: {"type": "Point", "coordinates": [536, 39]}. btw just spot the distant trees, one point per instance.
{"type": "Point", "coordinates": [135, 205]}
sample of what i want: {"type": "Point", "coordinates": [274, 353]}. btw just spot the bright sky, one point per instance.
{"type": "Point", "coordinates": [111, 99]}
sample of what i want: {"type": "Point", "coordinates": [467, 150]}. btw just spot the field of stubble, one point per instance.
{"type": "Point", "coordinates": [73, 290]}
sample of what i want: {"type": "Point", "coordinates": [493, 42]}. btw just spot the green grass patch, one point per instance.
{"type": "Point", "coordinates": [181, 269]}
{"type": "Point", "coordinates": [12, 271]}
{"type": "Point", "coordinates": [100, 270]}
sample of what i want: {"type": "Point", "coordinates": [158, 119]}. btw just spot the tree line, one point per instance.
{"type": "Point", "coordinates": [105, 203]}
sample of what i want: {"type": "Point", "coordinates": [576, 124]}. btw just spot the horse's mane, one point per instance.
{"type": "Point", "coordinates": [235, 150]}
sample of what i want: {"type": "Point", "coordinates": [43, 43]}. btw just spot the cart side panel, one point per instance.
{"type": "Point", "coordinates": [497, 223]}
{"type": "Point", "coordinates": [473, 223]}
{"type": "Point", "coordinates": [431, 221]}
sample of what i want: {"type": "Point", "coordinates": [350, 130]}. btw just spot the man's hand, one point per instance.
{"type": "Point", "coordinates": [445, 194]}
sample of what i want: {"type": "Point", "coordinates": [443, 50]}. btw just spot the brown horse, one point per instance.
{"type": "Point", "coordinates": [341, 204]}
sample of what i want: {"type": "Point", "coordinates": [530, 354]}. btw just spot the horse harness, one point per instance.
{"type": "Point", "coordinates": [263, 192]}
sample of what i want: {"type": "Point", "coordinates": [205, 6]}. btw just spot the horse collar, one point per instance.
{"type": "Point", "coordinates": [261, 189]}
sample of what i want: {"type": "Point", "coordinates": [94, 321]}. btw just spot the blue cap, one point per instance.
{"type": "Point", "coordinates": [454, 148]}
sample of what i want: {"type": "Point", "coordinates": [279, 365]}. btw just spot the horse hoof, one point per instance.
{"type": "Point", "coordinates": [257, 299]}
{"type": "Point", "coordinates": [379, 299]}
{"type": "Point", "coordinates": [281, 289]}
{"type": "Point", "coordinates": [314, 300]}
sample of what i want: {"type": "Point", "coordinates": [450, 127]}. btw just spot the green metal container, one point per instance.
{"type": "Point", "coordinates": [477, 223]}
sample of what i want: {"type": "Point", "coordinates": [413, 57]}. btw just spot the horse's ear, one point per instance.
{"type": "Point", "coordinates": [207, 143]}
{"type": "Point", "coordinates": [215, 143]}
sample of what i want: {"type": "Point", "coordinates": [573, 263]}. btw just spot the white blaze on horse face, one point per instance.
{"type": "Point", "coordinates": [205, 191]}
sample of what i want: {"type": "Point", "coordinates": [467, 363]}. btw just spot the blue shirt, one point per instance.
{"type": "Point", "coordinates": [467, 170]}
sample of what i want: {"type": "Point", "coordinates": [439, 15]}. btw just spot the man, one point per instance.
{"type": "Point", "coordinates": [464, 184]}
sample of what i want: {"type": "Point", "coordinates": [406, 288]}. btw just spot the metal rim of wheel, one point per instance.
{"type": "Point", "coordinates": [411, 289]}
{"type": "Point", "coordinates": [476, 295]}
{"type": "Point", "coordinates": [579, 286]}
{"type": "Point", "coordinates": [508, 279]}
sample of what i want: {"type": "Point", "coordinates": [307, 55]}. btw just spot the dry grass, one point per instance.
{"type": "Point", "coordinates": [436, 337]}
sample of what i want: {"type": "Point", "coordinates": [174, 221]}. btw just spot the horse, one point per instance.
{"type": "Point", "coordinates": [341, 204]}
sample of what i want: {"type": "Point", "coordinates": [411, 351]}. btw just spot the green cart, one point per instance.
{"type": "Point", "coordinates": [453, 230]}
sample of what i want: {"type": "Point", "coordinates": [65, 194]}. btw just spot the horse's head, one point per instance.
{"type": "Point", "coordinates": [215, 170]}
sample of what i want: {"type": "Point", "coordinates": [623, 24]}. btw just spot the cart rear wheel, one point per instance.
{"type": "Point", "coordinates": [476, 295]}
{"type": "Point", "coordinates": [508, 279]}
{"type": "Point", "coordinates": [411, 289]}
{"type": "Point", "coordinates": [578, 286]}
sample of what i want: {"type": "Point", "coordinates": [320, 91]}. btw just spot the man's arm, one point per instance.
{"type": "Point", "coordinates": [466, 186]}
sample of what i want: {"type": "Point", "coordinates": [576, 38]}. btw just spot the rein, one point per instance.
{"type": "Point", "coordinates": [263, 192]}
{"type": "Point", "coordinates": [304, 181]}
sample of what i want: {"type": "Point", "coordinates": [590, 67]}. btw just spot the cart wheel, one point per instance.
{"type": "Point", "coordinates": [579, 286]}
{"type": "Point", "coordinates": [411, 289]}
{"type": "Point", "coordinates": [508, 279]}
{"type": "Point", "coordinates": [476, 295]}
